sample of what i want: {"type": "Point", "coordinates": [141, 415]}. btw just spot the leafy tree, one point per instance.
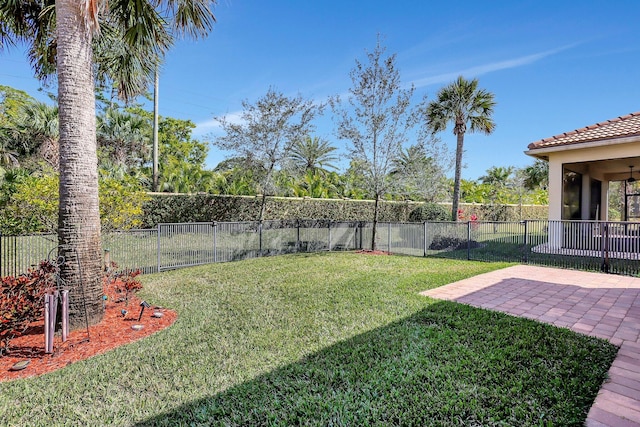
{"type": "Point", "coordinates": [121, 203]}
{"type": "Point", "coordinates": [317, 185]}
{"type": "Point", "coordinates": [182, 159]}
{"type": "Point", "coordinates": [376, 122]}
{"type": "Point", "coordinates": [241, 176]}
{"type": "Point", "coordinates": [61, 37]}
{"type": "Point", "coordinates": [473, 192]}
{"type": "Point", "coordinates": [418, 176]}
{"type": "Point", "coordinates": [536, 175]}
{"type": "Point", "coordinates": [313, 154]}
{"type": "Point", "coordinates": [12, 102]}
{"type": "Point", "coordinates": [32, 205]}
{"type": "Point", "coordinates": [353, 182]}
{"type": "Point", "coordinates": [267, 132]}
{"type": "Point", "coordinates": [467, 107]}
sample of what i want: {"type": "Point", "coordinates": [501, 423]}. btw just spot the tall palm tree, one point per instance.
{"type": "Point", "coordinates": [81, 41]}
{"type": "Point", "coordinates": [468, 108]}
{"type": "Point", "coordinates": [312, 154]}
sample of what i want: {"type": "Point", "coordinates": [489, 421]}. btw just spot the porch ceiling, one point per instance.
{"type": "Point", "coordinates": [612, 169]}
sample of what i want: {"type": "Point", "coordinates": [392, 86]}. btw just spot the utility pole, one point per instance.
{"type": "Point", "coordinates": [155, 131]}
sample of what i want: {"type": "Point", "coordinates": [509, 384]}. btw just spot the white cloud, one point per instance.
{"type": "Point", "coordinates": [488, 68]}
{"type": "Point", "coordinates": [212, 125]}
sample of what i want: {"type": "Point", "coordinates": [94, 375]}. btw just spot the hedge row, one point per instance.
{"type": "Point", "coordinates": [172, 208]}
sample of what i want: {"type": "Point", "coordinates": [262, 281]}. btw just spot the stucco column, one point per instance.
{"type": "Point", "coordinates": [555, 203]}
{"type": "Point", "coordinates": [604, 201]}
{"type": "Point", "coordinates": [555, 190]}
{"type": "Point", "coordinates": [586, 197]}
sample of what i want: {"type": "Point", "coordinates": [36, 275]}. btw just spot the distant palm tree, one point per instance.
{"type": "Point", "coordinates": [462, 104]}
{"type": "Point", "coordinates": [313, 154]}
{"type": "Point", "coordinates": [536, 175]}
{"type": "Point", "coordinates": [8, 157]}
{"type": "Point", "coordinates": [123, 138]}
{"type": "Point", "coordinates": [497, 176]}
{"type": "Point", "coordinates": [38, 127]}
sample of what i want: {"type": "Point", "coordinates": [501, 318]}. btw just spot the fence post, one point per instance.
{"type": "Point", "coordinates": [361, 225]}
{"type": "Point", "coordinates": [604, 233]}
{"type": "Point", "coordinates": [425, 239]}
{"type": "Point", "coordinates": [158, 248]}
{"type": "Point", "coordinates": [468, 240]}
{"type": "Point", "coordinates": [389, 237]}
{"type": "Point", "coordinates": [297, 235]}
{"type": "Point", "coordinates": [260, 239]}
{"type": "Point", "coordinates": [355, 236]}
{"type": "Point", "coordinates": [215, 241]}
{"type": "Point", "coordinates": [329, 227]}
{"type": "Point", "coordinates": [525, 256]}
{"type": "Point", "coordinates": [15, 256]}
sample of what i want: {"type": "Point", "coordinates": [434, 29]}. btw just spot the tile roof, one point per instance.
{"type": "Point", "coordinates": [619, 127]}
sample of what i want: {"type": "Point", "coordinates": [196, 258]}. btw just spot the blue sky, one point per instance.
{"type": "Point", "coordinates": [553, 66]}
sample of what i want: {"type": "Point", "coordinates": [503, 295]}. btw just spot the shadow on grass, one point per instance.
{"type": "Point", "coordinates": [492, 251]}
{"type": "Point", "coordinates": [448, 364]}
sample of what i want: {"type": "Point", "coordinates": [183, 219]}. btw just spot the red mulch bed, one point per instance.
{"type": "Point", "coordinates": [370, 252]}
{"type": "Point", "coordinates": [114, 331]}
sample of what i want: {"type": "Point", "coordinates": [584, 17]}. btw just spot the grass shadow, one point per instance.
{"type": "Point", "coordinates": [448, 364]}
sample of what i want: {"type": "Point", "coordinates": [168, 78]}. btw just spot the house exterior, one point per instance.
{"type": "Point", "coordinates": [582, 163]}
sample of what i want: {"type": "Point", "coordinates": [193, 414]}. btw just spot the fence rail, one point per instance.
{"type": "Point", "coordinates": [612, 247]}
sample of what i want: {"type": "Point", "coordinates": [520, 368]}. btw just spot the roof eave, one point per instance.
{"type": "Point", "coordinates": [538, 152]}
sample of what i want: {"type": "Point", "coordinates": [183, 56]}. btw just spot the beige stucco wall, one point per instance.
{"type": "Point", "coordinates": [625, 148]}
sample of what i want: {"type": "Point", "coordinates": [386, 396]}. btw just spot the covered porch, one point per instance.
{"type": "Point", "coordinates": [593, 176]}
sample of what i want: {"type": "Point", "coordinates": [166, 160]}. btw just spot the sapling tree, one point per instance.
{"type": "Point", "coordinates": [376, 119]}
{"type": "Point", "coordinates": [266, 133]}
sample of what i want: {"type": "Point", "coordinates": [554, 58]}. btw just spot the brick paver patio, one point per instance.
{"type": "Point", "coordinates": [601, 305]}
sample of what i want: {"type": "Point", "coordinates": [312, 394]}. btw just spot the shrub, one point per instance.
{"type": "Point", "coordinates": [22, 301]}
{"type": "Point", "coordinates": [440, 243]}
{"type": "Point", "coordinates": [33, 205]}
{"type": "Point", "coordinates": [170, 208]}
{"type": "Point", "coordinates": [429, 212]}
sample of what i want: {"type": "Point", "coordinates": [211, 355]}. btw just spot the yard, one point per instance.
{"type": "Point", "coordinates": [323, 339]}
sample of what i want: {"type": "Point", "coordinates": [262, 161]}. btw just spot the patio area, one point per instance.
{"type": "Point", "coordinates": [601, 305]}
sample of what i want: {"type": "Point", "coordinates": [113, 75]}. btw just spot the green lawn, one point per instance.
{"type": "Point", "coordinates": [323, 339]}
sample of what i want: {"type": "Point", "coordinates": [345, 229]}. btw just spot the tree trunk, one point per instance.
{"type": "Point", "coordinates": [375, 222]}
{"type": "Point", "coordinates": [78, 215]}
{"type": "Point", "coordinates": [263, 205]}
{"type": "Point", "coordinates": [456, 182]}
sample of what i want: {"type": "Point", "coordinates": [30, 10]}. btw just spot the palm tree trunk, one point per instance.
{"type": "Point", "coordinates": [456, 182]}
{"type": "Point", "coordinates": [78, 216]}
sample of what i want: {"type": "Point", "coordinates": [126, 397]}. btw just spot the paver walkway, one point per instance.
{"type": "Point", "coordinates": [600, 305]}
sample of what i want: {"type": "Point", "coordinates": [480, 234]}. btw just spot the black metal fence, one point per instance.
{"type": "Point", "coordinates": [612, 247]}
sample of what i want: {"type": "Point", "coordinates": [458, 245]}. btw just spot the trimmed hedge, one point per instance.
{"type": "Point", "coordinates": [175, 208]}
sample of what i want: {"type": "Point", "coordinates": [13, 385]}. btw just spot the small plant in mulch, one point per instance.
{"type": "Point", "coordinates": [120, 286]}
{"type": "Point", "coordinates": [21, 301]}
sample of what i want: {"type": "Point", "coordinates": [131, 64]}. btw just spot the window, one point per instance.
{"type": "Point", "coordinates": [571, 195]}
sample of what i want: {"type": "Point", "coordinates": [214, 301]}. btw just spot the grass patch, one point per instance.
{"type": "Point", "coordinates": [323, 339]}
